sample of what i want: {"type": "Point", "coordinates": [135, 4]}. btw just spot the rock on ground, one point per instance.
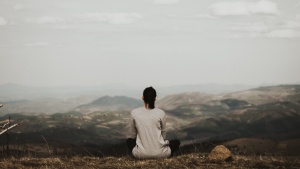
{"type": "Point", "coordinates": [220, 153]}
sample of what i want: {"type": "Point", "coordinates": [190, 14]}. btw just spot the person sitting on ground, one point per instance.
{"type": "Point", "coordinates": [147, 138]}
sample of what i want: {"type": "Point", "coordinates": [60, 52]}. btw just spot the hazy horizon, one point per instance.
{"type": "Point", "coordinates": [111, 85]}
{"type": "Point", "coordinates": [150, 42]}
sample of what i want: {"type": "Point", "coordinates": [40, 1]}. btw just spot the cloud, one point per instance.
{"type": "Point", "coordinates": [18, 7]}
{"type": "Point", "coordinates": [45, 20]}
{"type": "Point", "coordinates": [284, 33]}
{"type": "Point", "coordinates": [206, 16]}
{"type": "Point", "coordinates": [245, 8]}
{"type": "Point", "coordinates": [166, 2]}
{"type": "Point", "coordinates": [291, 24]}
{"type": "Point", "coordinates": [66, 27]}
{"type": "Point", "coordinates": [250, 27]}
{"type": "Point", "coordinates": [288, 29]}
{"type": "Point", "coordinates": [112, 18]}
{"type": "Point", "coordinates": [37, 44]}
{"type": "Point", "coordinates": [4, 45]}
{"type": "Point", "coordinates": [2, 21]}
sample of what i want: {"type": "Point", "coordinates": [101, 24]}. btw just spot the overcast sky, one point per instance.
{"type": "Point", "coordinates": [149, 42]}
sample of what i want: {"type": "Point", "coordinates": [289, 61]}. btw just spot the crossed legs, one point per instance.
{"type": "Point", "coordinates": [173, 144]}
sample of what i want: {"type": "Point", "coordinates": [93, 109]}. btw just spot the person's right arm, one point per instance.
{"type": "Point", "coordinates": [163, 127]}
{"type": "Point", "coordinates": [132, 128]}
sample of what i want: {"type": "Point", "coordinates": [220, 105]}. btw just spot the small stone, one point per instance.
{"type": "Point", "coordinates": [220, 153]}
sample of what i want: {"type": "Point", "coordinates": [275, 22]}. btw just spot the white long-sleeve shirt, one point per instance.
{"type": "Point", "coordinates": [148, 127]}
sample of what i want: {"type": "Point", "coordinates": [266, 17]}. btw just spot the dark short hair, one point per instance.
{"type": "Point", "coordinates": [149, 96]}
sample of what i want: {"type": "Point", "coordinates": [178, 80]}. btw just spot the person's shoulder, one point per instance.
{"type": "Point", "coordinates": [160, 111]}
{"type": "Point", "coordinates": [136, 110]}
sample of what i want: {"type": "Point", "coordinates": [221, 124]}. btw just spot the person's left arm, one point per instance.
{"type": "Point", "coordinates": [163, 127]}
{"type": "Point", "coordinates": [132, 128]}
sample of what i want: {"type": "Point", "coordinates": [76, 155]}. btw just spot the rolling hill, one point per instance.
{"type": "Point", "coordinates": [44, 105]}
{"type": "Point", "coordinates": [271, 113]}
{"type": "Point", "coordinates": [108, 103]}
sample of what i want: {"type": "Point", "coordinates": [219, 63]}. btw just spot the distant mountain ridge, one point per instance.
{"type": "Point", "coordinates": [256, 96]}
{"type": "Point", "coordinates": [11, 91]}
{"type": "Point", "coordinates": [193, 117]}
{"type": "Point", "coordinates": [272, 112]}
{"type": "Point", "coordinates": [110, 103]}
{"type": "Point", "coordinates": [188, 98]}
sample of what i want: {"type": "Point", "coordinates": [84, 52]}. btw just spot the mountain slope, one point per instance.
{"type": "Point", "coordinates": [43, 105]}
{"type": "Point", "coordinates": [108, 103]}
{"type": "Point", "coordinates": [268, 112]}
{"type": "Point", "coordinates": [263, 95]}
{"type": "Point", "coordinates": [272, 112]}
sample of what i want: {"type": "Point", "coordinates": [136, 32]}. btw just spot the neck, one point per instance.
{"type": "Point", "coordinates": [146, 106]}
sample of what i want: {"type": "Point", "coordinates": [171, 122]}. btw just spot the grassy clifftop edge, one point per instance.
{"type": "Point", "coordinates": [192, 160]}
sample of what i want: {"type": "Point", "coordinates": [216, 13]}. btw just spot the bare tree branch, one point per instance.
{"type": "Point", "coordinates": [9, 128]}
{"type": "Point", "coordinates": [5, 125]}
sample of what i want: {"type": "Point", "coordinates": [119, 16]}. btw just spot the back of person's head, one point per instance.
{"type": "Point", "coordinates": [149, 95]}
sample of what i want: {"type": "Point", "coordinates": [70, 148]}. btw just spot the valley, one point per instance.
{"type": "Point", "coordinates": [259, 120]}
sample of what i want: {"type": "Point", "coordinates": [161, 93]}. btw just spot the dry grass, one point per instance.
{"type": "Point", "coordinates": [194, 160]}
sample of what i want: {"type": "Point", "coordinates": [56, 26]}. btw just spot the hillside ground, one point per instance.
{"type": "Point", "coordinates": [192, 160]}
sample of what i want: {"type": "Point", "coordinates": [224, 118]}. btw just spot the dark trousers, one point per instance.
{"type": "Point", "coordinates": [173, 144]}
